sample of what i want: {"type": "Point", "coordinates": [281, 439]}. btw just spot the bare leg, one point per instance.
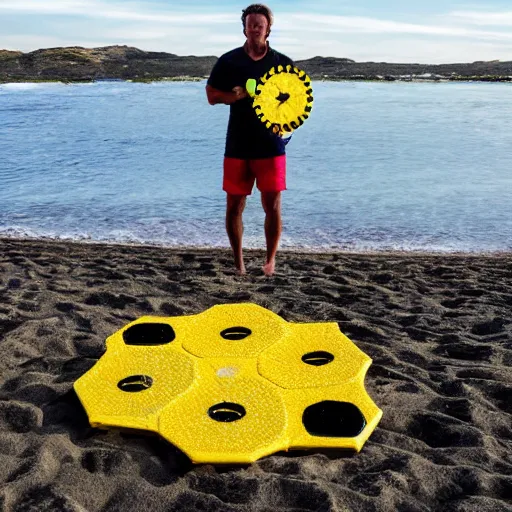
{"type": "Point", "coordinates": [235, 228]}
{"type": "Point", "coordinates": [271, 202]}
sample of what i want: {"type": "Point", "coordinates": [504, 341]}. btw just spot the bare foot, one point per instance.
{"type": "Point", "coordinates": [269, 268]}
{"type": "Point", "coordinates": [240, 265]}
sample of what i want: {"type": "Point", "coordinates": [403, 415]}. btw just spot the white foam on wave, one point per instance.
{"type": "Point", "coordinates": [130, 238]}
{"type": "Point", "coordinates": [200, 234]}
{"type": "Point", "coordinates": [27, 86]}
{"type": "Point", "coordinates": [27, 232]}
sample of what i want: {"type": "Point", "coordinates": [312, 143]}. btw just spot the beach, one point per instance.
{"type": "Point", "coordinates": [437, 326]}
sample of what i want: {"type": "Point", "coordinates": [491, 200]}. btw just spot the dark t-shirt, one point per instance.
{"type": "Point", "coordinates": [247, 136]}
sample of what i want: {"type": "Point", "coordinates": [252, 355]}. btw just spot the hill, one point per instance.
{"type": "Point", "coordinates": [75, 63]}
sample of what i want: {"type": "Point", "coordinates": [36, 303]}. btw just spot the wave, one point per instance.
{"type": "Point", "coordinates": [198, 240]}
{"type": "Point", "coordinates": [27, 86]}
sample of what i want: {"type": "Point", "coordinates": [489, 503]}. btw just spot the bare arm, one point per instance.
{"type": "Point", "coordinates": [227, 98]}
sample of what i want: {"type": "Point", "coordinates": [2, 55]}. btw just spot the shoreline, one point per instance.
{"type": "Point", "coordinates": [124, 62]}
{"type": "Point", "coordinates": [463, 79]}
{"type": "Point", "coordinates": [287, 250]}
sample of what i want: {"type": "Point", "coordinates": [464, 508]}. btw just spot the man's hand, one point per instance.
{"type": "Point", "coordinates": [240, 93]}
{"type": "Point", "coordinates": [226, 97]}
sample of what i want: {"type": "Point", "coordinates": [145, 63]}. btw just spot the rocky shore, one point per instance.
{"type": "Point", "coordinates": [75, 64]}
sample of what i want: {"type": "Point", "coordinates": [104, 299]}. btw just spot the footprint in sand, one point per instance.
{"type": "Point", "coordinates": [493, 326]}
{"type": "Point", "coordinates": [465, 351]}
{"type": "Point", "coordinates": [29, 306]}
{"type": "Point", "coordinates": [439, 431]}
{"type": "Point", "coordinates": [453, 304]}
{"type": "Point", "coordinates": [109, 300]}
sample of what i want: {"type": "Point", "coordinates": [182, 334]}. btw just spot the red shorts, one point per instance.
{"type": "Point", "coordinates": [269, 173]}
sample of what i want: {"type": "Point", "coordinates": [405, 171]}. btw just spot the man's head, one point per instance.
{"type": "Point", "coordinates": [257, 20]}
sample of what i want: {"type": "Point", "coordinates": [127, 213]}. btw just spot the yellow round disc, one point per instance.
{"type": "Point", "coordinates": [283, 99]}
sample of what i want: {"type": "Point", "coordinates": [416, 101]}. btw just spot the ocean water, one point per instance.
{"type": "Point", "coordinates": [378, 166]}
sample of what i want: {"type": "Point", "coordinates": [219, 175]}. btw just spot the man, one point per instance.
{"type": "Point", "coordinates": [252, 152]}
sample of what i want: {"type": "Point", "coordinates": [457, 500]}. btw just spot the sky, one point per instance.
{"type": "Point", "coordinates": [422, 31]}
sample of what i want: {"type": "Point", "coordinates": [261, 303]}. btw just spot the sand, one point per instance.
{"type": "Point", "coordinates": [438, 327]}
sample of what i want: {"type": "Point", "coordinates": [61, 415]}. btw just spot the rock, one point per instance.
{"type": "Point", "coordinates": [75, 63]}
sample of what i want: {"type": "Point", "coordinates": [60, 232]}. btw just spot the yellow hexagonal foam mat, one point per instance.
{"type": "Point", "coordinates": [233, 384]}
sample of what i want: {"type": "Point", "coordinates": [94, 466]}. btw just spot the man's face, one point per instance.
{"type": "Point", "coordinates": [256, 28]}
